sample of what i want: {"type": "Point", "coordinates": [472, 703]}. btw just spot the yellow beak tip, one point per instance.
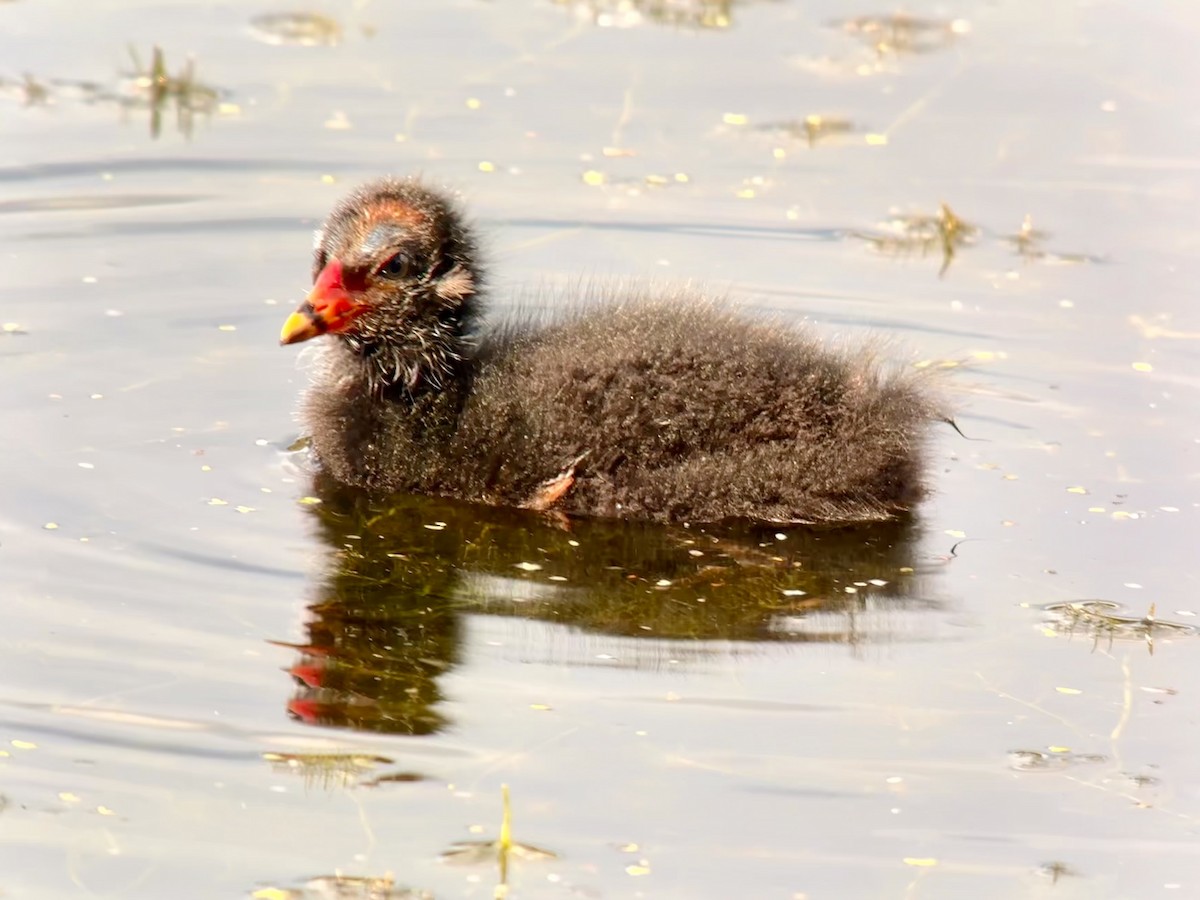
{"type": "Point", "coordinates": [297, 328]}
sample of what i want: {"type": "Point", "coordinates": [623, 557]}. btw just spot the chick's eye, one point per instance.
{"type": "Point", "coordinates": [395, 267]}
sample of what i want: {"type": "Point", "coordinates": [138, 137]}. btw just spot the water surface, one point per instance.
{"type": "Point", "coordinates": [214, 686]}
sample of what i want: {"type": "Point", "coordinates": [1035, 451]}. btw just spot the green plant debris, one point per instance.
{"type": "Point", "coordinates": [327, 770]}
{"type": "Point", "coordinates": [1029, 243]}
{"type": "Point", "coordinates": [301, 29]}
{"type": "Point", "coordinates": [944, 233]}
{"type": "Point", "coordinates": [1053, 759]}
{"type": "Point", "coordinates": [1056, 870]}
{"type": "Point", "coordinates": [692, 14]}
{"type": "Point", "coordinates": [500, 851]}
{"type": "Point", "coordinates": [145, 86]}
{"type": "Point", "coordinates": [902, 34]}
{"type": "Point", "coordinates": [812, 129]}
{"type": "Point", "coordinates": [153, 87]}
{"type": "Point", "coordinates": [1099, 620]}
{"type": "Point", "coordinates": [343, 887]}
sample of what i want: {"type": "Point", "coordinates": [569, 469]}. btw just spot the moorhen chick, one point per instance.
{"type": "Point", "coordinates": [666, 408]}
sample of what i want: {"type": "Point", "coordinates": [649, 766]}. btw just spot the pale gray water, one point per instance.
{"type": "Point", "coordinates": [140, 689]}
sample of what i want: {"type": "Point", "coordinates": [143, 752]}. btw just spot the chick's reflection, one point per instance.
{"type": "Point", "coordinates": [405, 571]}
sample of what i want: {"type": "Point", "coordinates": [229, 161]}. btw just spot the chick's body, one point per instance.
{"type": "Point", "coordinates": [669, 408]}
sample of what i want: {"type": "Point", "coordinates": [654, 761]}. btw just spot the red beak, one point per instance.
{"type": "Point", "coordinates": [328, 308]}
